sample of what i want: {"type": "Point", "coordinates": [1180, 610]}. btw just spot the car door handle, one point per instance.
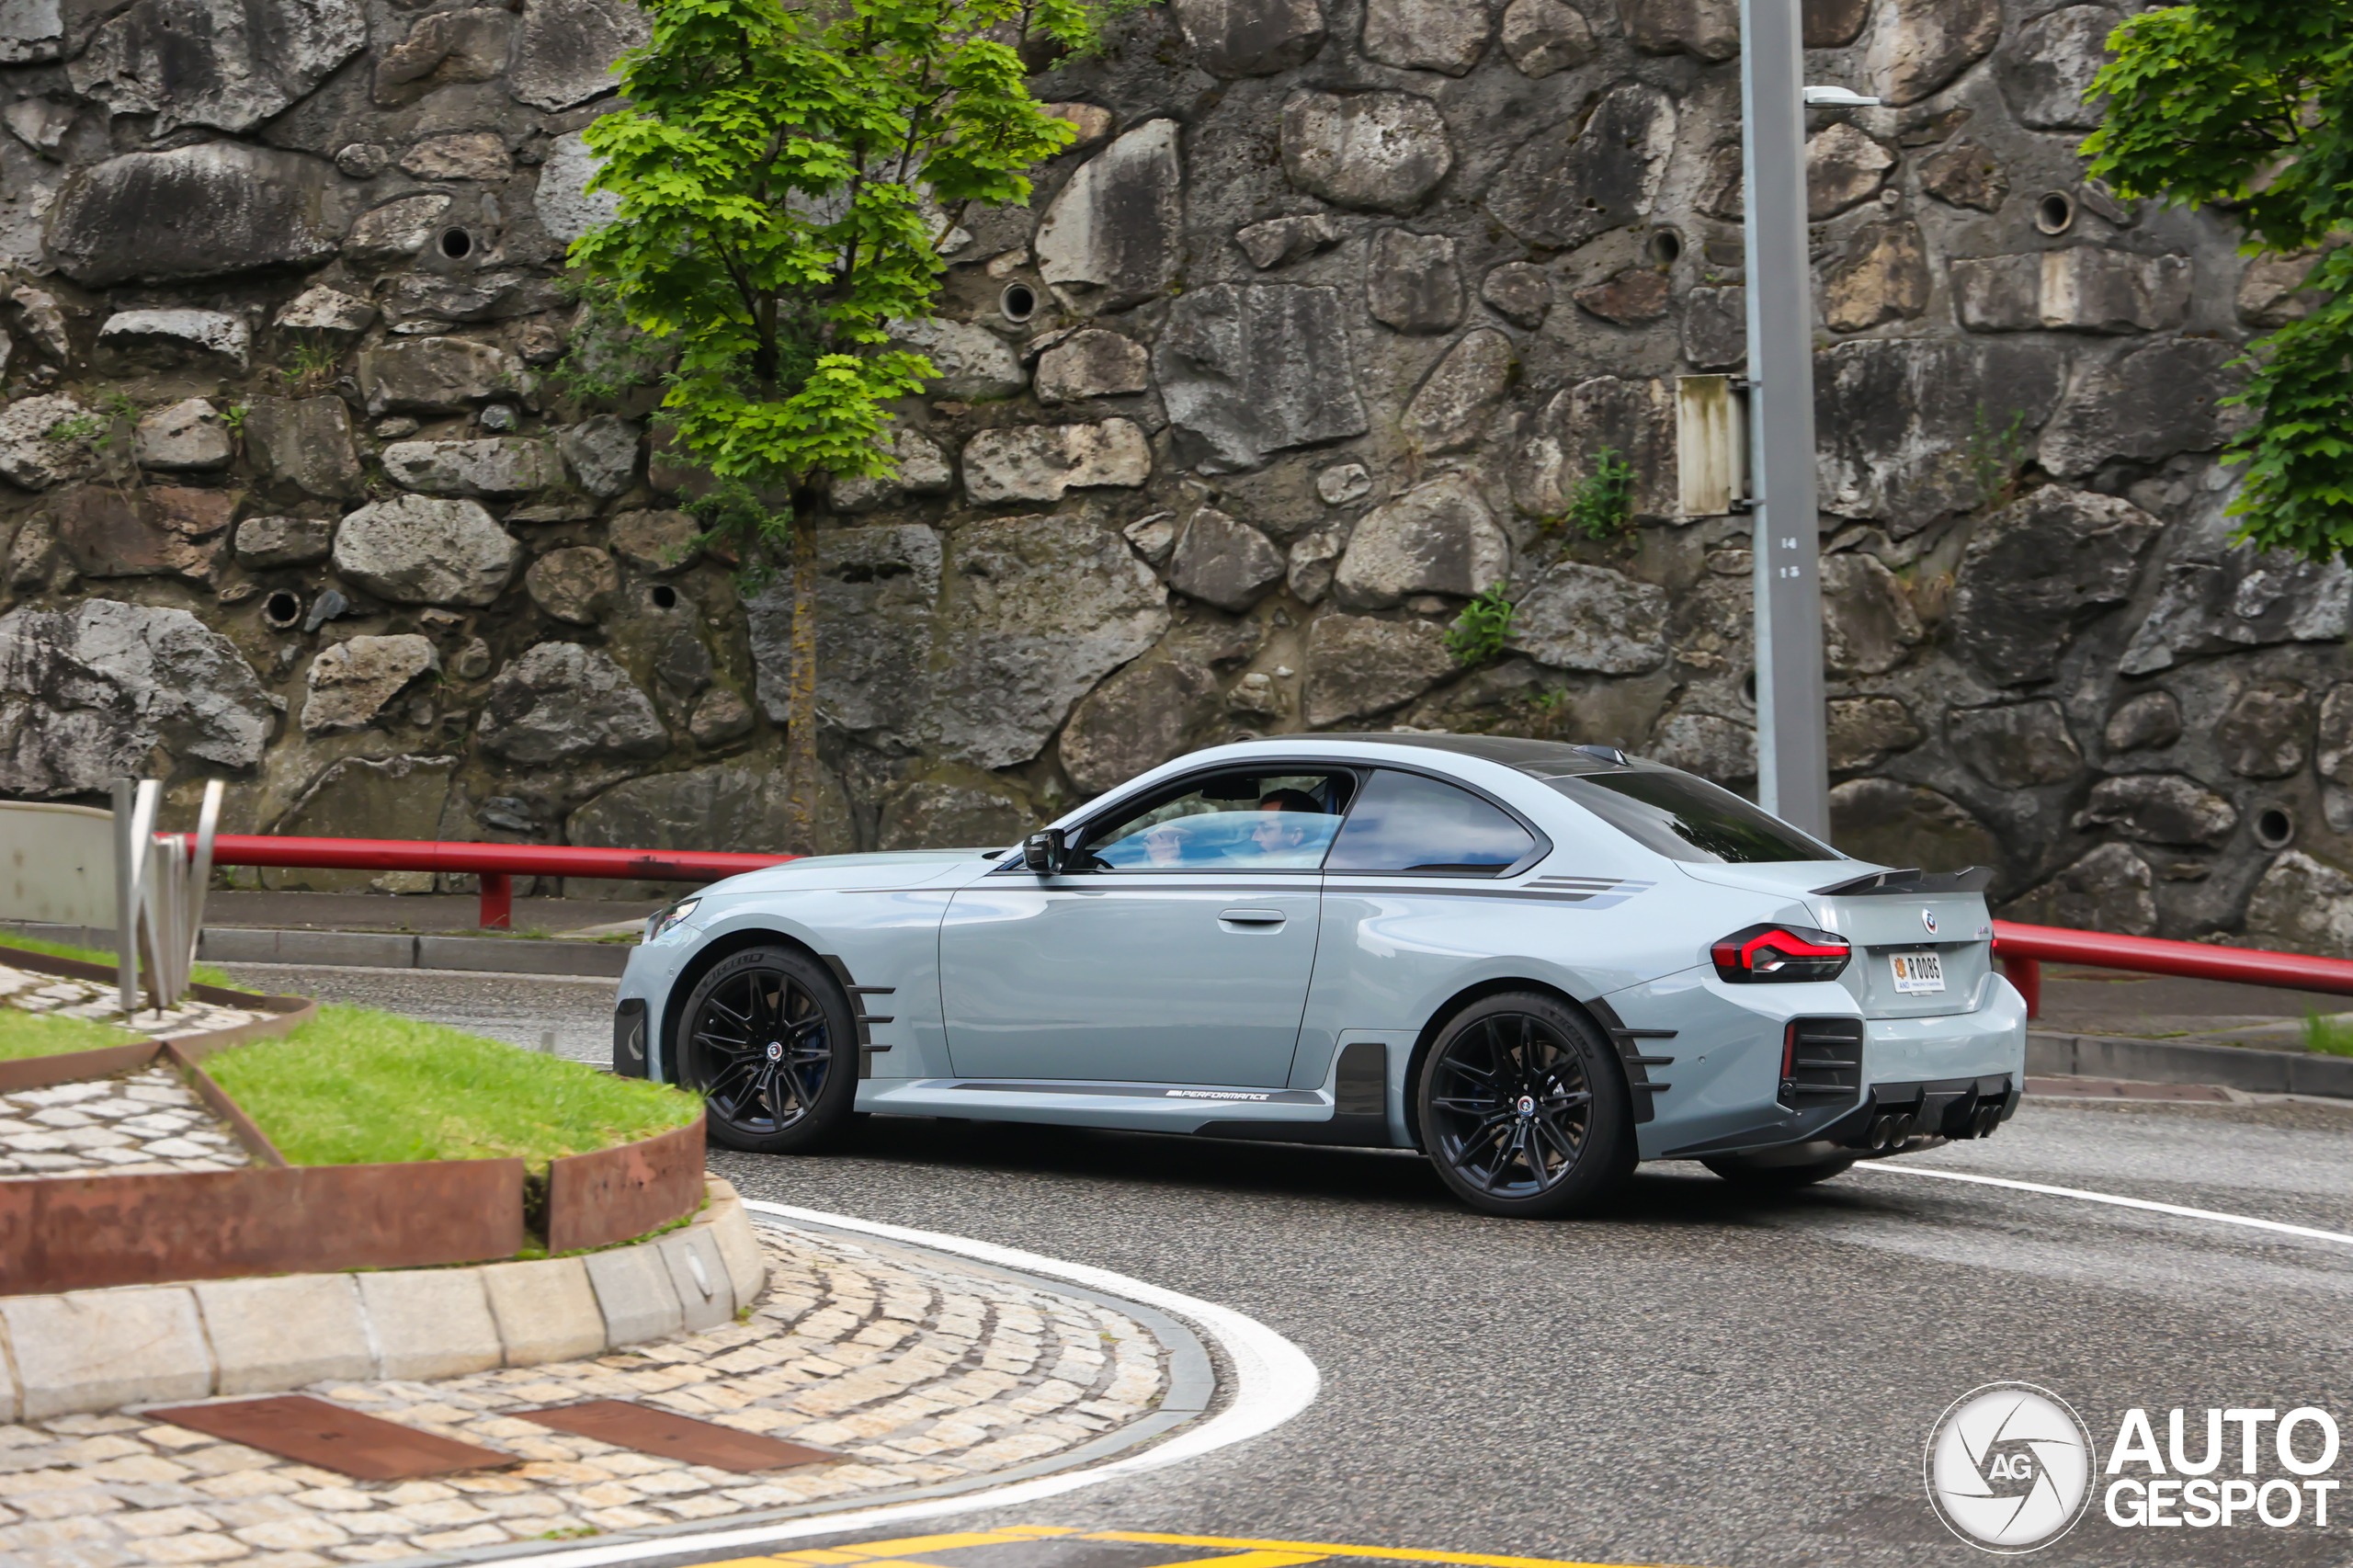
{"type": "Point", "coordinates": [1252, 916]}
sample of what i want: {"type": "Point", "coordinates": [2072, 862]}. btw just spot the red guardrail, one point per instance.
{"type": "Point", "coordinates": [497, 864]}
{"type": "Point", "coordinates": [2023, 950]}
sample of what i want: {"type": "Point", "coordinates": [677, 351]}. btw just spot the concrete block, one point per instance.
{"type": "Point", "coordinates": [634, 1292]}
{"type": "Point", "coordinates": [96, 1349]}
{"type": "Point", "coordinates": [698, 1273]}
{"type": "Point", "coordinates": [281, 1334]}
{"type": "Point", "coordinates": [2049, 1055]}
{"type": "Point", "coordinates": [521, 955]}
{"type": "Point", "coordinates": [546, 1310]}
{"type": "Point", "coordinates": [373, 949]}
{"type": "Point", "coordinates": [430, 1323]}
{"type": "Point", "coordinates": [730, 1227]}
{"type": "Point", "coordinates": [2318, 1074]}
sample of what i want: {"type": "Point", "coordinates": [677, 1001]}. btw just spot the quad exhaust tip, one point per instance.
{"type": "Point", "coordinates": [1891, 1133]}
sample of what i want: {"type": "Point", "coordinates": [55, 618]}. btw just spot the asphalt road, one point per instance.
{"type": "Point", "coordinates": [1702, 1376]}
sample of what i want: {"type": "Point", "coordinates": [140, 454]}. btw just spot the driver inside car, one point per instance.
{"type": "Point", "coordinates": [1279, 830]}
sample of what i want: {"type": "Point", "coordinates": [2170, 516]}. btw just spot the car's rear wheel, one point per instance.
{"type": "Point", "coordinates": [1523, 1109]}
{"type": "Point", "coordinates": [766, 1036]}
{"type": "Point", "coordinates": [1775, 1178]}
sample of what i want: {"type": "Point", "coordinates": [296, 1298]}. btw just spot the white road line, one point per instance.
{"type": "Point", "coordinates": [1274, 1381]}
{"type": "Point", "coordinates": [1878, 1168]}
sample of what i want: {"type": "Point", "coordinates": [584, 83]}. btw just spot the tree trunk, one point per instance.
{"type": "Point", "coordinates": [800, 708]}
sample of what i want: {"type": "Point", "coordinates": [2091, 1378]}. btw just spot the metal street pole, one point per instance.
{"type": "Point", "coordinates": [1793, 753]}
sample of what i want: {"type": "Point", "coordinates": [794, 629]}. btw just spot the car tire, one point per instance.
{"type": "Point", "coordinates": [1775, 1178]}
{"type": "Point", "coordinates": [1523, 1109]}
{"type": "Point", "coordinates": [767, 1038]}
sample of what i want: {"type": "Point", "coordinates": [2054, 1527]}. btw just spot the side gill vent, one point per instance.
{"type": "Point", "coordinates": [1821, 1061]}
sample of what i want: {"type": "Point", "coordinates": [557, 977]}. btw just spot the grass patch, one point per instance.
{"type": "Point", "coordinates": [355, 1086]}
{"type": "Point", "coordinates": [2330, 1037]}
{"type": "Point", "coordinates": [203, 973]}
{"type": "Point", "coordinates": [24, 1034]}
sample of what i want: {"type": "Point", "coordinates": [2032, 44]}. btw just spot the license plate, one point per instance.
{"type": "Point", "coordinates": [1917, 975]}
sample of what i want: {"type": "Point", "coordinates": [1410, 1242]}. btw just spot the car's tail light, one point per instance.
{"type": "Point", "coordinates": [1763, 953]}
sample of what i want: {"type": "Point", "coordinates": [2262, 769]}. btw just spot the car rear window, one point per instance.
{"type": "Point", "coordinates": [1404, 822]}
{"type": "Point", "coordinates": [1688, 819]}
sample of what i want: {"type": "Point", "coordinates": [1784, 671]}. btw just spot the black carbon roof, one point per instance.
{"type": "Point", "coordinates": [1540, 759]}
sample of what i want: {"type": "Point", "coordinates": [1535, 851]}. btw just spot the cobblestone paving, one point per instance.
{"type": "Point", "coordinates": [916, 1375]}
{"type": "Point", "coordinates": [145, 1122]}
{"type": "Point", "coordinates": [72, 998]}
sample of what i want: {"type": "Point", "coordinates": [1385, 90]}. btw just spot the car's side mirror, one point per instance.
{"type": "Point", "coordinates": [1043, 852]}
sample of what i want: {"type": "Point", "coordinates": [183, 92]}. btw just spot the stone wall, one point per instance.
{"type": "Point", "coordinates": [1315, 334]}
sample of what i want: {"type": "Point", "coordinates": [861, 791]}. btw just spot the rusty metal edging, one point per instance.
{"type": "Point", "coordinates": [71, 1066]}
{"type": "Point", "coordinates": [86, 1232]}
{"type": "Point", "coordinates": [617, 1194]}
{"type": "Point", "coordinates": [211, 1042]}
{"type": "Point", "coordinates": [216, 1099]}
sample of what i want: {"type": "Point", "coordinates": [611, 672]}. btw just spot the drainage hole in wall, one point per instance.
{"type": "Point", "coordinates": [2275, 827]}
{"type": "Point", "coordinates": [1664, 246]}
{"type": "Point", "coordinates": [282, 609]}
{"type": "Point", "coordinates": [1019, 302]}
{"type": "Point", "coordinates": [455, 242]}
{"type": "Point", "coordinates": [2055, 213]}
{"type": "Point", "coordinates": [665, 596]}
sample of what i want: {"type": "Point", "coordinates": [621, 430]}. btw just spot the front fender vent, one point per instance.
{"type": "Point", "coordinates": [1821, 1061]}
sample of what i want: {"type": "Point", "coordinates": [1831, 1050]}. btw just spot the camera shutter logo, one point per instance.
{"type": "Point", "coordinates": [2009, 1467]}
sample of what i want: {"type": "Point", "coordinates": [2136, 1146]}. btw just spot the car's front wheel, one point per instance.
{"type": "Point", "coordinates": [1523, 1109]}
{"type": "Point", "coordinates": [766, 1036]}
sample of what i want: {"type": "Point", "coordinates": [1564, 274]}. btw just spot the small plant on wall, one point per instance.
{"type": "Point", "coordinates": [1995, 454]}
{"type": "Point", "coordinates": [1602, 507]}
{"type": "Point", "coordinates": [1480, 632]}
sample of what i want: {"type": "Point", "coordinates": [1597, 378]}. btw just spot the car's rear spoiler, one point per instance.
{"type": "Point", "coordinates": [1912, 882]}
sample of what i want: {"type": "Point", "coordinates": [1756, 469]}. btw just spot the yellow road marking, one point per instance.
{"type": "Point", "coordinates": [1245, 1553]}
{"type": "Point", "coordinates": [1245, 1560]}
{"type": "Point", "coordinates": [1394, 1553]}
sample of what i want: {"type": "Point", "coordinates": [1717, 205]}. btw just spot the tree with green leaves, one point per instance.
{"type": "Point", "coordinates": [2243, 104]}
{"type": "Point", "coordinates": [786, 171]}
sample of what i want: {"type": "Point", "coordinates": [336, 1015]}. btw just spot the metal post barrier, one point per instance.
{"type": "Point", "coordinates": [2026, 976]}
{"type": "Point", "coordinates": [498, 901]}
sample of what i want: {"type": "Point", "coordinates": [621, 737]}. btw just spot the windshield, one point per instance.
{"type": "Point", "coordinates": [1688, 819]}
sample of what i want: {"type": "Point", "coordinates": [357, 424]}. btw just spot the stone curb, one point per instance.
{"type": "Point", "coordinates": [93, 1350]}
{"type": "Point", "coordinates": [378, 950]}
{"type": "Point", "coordinates": [1193, 1389]}
{"type": "Point", "coordinates": [2168, 1062]}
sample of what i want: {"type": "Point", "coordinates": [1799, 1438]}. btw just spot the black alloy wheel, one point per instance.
{"type": "Point", "coordinates": [766, 1036]}
{"type": "Point", "coordinates": [1523, 1108]}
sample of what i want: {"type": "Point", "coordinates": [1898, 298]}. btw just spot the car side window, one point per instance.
{"type": "Point", "coordinates": [1239, 821]}
{"type": "Point", "coordinates": [1404, 822]}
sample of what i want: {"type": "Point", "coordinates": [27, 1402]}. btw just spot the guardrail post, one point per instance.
{"type": "Point", "coordinates": [2026, 976]}
{"type": "Point", "coordinates": [498, 901]}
